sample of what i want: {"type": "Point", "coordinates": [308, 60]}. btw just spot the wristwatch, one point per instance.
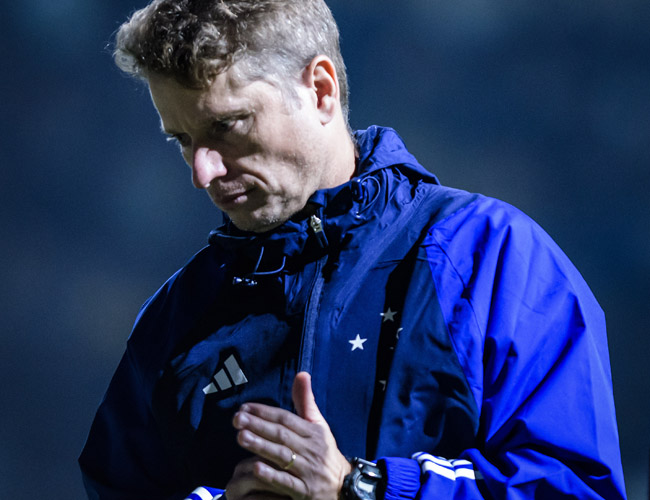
{"type": "Point", "coordinates": [364, 482]}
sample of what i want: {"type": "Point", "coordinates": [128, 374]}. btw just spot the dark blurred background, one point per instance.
{"type": "Point", "coordinates": [543, 104]}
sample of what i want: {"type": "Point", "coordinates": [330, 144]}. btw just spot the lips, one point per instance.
{"type": "Point", "coordinates": [229, 197]}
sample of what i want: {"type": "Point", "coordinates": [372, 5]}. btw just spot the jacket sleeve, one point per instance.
{"type": "Point", "coordinates": [531, 340]}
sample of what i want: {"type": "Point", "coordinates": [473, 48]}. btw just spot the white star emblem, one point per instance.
{"type": "Point", "coordinates": [399, 330]}
{"type": "Point", "coordinates": [357, 343]}
{"type": "Point", "coordinates": [383, 384]}
{"type": "Point", "coordinates": [388, 315]}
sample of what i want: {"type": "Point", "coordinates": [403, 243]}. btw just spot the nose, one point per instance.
{"type": "Point", "coordinates": [207, 165]}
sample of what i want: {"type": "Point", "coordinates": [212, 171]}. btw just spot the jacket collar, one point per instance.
{"type": "Point", "coordinates": [373, 195]}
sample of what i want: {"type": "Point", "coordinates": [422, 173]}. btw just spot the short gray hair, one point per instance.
{"type": "Point", "coordinates": [195, 40]}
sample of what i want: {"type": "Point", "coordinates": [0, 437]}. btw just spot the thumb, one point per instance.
{"type": "Point", "coordinates": [303, 398]}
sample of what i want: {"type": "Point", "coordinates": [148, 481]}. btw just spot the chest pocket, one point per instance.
{"type": "Point", "coordinates": [201, 389]}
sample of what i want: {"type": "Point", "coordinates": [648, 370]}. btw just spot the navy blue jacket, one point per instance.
{"type": "Point", "coordinates": [435, 323]}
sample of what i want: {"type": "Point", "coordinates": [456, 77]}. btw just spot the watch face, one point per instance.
{"type": "Point", "coordinates": [362, 482]}
{"type": "Point", "coordinates": [366, 489]}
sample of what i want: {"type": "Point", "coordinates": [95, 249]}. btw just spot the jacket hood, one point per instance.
{"type": "Point", "coordinates": [381, 147]}
{"type": "Point", "coordinates": [385, 176]}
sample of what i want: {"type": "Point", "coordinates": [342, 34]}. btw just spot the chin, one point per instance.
{"type": "Point", "coordinates": [263, 218]}
{"type": "Point", "coordinates": [256, 225]}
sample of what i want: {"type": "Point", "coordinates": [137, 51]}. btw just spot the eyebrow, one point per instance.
{"type": "Point", "coordinates": [221, 117]}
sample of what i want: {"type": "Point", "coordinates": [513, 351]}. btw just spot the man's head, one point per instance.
{"type": "Point", "coordinates": [254, 92]}
{"type": "Point", "coordinates": [194, 40]}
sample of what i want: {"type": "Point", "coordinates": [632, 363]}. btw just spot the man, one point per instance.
{"type": "Point", "coordinates": [454, 351]}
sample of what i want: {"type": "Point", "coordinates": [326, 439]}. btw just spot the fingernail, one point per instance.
{"type": "Point", "coordinates": [240, 419]}
{"type": "Point", "coordinates": [244, 438]}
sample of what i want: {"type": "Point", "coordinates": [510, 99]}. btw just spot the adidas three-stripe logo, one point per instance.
{"type": "Point", "coordinates": [229, 376]}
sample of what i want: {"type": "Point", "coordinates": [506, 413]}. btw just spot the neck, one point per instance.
{"type": "Point", "coordinates": [342, 157]}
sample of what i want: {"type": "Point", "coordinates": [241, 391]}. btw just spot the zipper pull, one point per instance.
{"type": "Point", "coordinates": [317, 226]}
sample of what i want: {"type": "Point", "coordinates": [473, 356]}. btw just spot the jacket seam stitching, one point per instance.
{"type": "Point", "coordinates": [465, 361]}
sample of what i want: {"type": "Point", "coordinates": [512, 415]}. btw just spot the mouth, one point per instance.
{"type": "Point", "coordinates": [231, 199]}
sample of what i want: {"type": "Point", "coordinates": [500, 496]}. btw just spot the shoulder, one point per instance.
{"type": "Point", "coordinates": [488, 236]}
{"type": "Point", "coordinates": [505, 286]}
{"type": "Point", "coordinates": [177, 285]}
{"type": "Point", "coordinates": [460, 220]}
{"type": "Point", "coordinates": [478, 215]}
{"type": "Point", "coordinates": [170, 312]}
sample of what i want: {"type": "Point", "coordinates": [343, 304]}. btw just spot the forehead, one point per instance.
{"type": "Point", "coordinates": [227, 95]}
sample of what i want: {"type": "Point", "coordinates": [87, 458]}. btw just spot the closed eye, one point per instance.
{"type": "Point", "coordinates": [238, 123]}
{"type": "Point", "coordinates": [222, 126]}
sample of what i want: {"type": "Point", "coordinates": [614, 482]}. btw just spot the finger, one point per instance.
{"type": "Point", "coordinates": [280, 481]}
{"type": "Point", "coordinates": [270, 431]}
{"type": "Point", "coordinates": [281, 455]}
{"type": "Point", "coordinates": [255, 479]}
{"type": "Point", "coordinates": [245, 467]}
{"type": "Point", "coordinates": [241, 488]}
{"type": "Point", "coordinates": [259, 415]}
{"type": "Point", "coordinates": [244, 481]}
{"type": "Point", "coordinates": [303, 398]}
{"type": "Point", "coordinates": [264, 495]}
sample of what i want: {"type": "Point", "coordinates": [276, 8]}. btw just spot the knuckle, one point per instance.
{"type": "Point", "coordinates": [282, 435]}
{"type": "Point", "coordinates": [284, 419]}
{"type": "Point", "coordinates": [239, 470]}
{"type": "Point", "coordinates": [319, 432]}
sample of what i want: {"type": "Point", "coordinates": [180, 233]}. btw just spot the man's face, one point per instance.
{"type": "Point", "coordinates": [258, 155]}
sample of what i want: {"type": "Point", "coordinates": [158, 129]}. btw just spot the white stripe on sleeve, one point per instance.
{"type": "Point", "coordinates": [452, 470]}
{"type": "Point", "coordinates": [200, 493]}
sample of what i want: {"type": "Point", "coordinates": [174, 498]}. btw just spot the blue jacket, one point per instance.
{"type": "Point", "coordinates": [435, 323]}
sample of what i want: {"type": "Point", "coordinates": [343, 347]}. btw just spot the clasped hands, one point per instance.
{"type": "Point", "coordinates": [295, 456]}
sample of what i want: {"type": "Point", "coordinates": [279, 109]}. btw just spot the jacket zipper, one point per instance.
{"type": "Point", "coordinates": [307, 341]}
{"type": "Point", "coordinates": [317, 227]}
{"type": "Point", "coordinates": [311, 318]}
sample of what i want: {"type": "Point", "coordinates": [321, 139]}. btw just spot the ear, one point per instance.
{"type": "Point", "coordinates": [320, 77]}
